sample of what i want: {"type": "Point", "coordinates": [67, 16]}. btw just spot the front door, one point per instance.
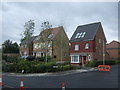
{"type": "Point", "coordinates": [84, 59]}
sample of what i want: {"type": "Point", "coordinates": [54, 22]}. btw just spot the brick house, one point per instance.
{"type": "Point", "coordinates": [26, 47]}
{"type": "Point", "coordinates": [52, 42]}
{"type": "Point", "coordinates": [88, 43]}
{"type": "Point", "coordinates": [113, 48]}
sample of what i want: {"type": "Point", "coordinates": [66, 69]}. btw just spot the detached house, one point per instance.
{"type": "Point", "coordinates": [113, 48]}
{"type": "Point", "coordinates": [52, 42]}
{"type": "Point", "coordinates": [88, 43]}
{"type": "Point", "coordinates": [26, 47]}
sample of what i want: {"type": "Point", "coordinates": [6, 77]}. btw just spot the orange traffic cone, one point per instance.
{"type": "Point", "coordinates": [1, 84]}
{"type": "Point", "coordinates": [21, 84]}
{"type": "Point", "coordinates": [63, 86]}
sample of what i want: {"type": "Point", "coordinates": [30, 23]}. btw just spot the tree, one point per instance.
{"type": "Point", "coordinates": [46, 25]}
{"type": "Point", "coordinates": [9, 47]}
{"type": "Point", "coordinates": [29, 29]}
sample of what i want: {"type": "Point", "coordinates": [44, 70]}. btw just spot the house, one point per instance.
{"type": "Point", "coordinates": [113, 48]}
{"type": "Point", "coordinates": [52, 42]}
{"type": "Point", "coordinates": [26, 47]}
{"type": "Point", "coordinates": [88, 43]}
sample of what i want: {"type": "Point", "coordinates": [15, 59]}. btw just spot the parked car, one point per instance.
{"type": "Point", "coordinates": [30, 58]}
{"type": "Point", "coordinates": [24, 57]}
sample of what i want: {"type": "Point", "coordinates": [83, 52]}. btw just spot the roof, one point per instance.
{"type": "Point", "coordinates": [89, 29]}
{"type": "Point", "coordinates": [112, 45]}
{"type": "Point", "coordinates": [28, 41]}
{"type": "Point", "coordinates": [47, 32]}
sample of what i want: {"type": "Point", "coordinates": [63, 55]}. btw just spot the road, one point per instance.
{"type": "Point", "coordinates": [95, 79]}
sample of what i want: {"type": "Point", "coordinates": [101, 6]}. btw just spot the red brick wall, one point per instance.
{"type": "Point", "coordinates": [82, 46]}
{"type": "Point", "coordinates": [113, 48]}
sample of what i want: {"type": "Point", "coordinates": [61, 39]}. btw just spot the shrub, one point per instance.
{"type": "Point", "coordinates": [117, 62]}
{"type": "Point", "coordinates": [6, 67]}
{"type": "Point", "coordinates": [10, 59]}
{"type": "Point", "coordinates": [90, 64]}
{"type": "Point", "coordinates": [43, 58]}
{"type": "Point", "coordinates": [23, 65]}
{"type": "Point", "coordinates": [40, 58]}
{"type": "Point", "coordinates": [107, 62]}
{"type": "Point", "coordinates": [66, 67]}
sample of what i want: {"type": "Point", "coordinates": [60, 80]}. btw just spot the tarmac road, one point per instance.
{"type": "Point", "coordinates": [95, 79]}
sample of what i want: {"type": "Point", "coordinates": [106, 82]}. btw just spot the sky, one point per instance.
{"type": "Point", "coordinates": [66, 14]}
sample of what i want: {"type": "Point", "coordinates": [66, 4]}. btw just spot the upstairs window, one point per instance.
{"type": "Point", "coordinates": [86, 46]}
{"type": "Point", "coordinates": [50, 35]}
{"type": "Point", "coordinates": [76, 48]}
{"type": "Point", "coordinates": [99, 40]}
{"type": "Point", "coordinates": [80, 35]}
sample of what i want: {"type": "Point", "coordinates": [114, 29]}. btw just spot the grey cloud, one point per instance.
{"type": "Point", "coordinates": [70, 15]}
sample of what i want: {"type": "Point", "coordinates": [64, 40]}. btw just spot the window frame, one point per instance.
{"type": "Point", "coordinates": [73, 61]}
{"type": "Point", "coordinates": [87, 47]}
{"type": "Point", "coordinates": [89, 57]}
{"type": "Point", "coordinates": [77, 47]}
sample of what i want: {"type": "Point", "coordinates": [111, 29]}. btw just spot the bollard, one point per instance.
{"type": "Point", "coordinates": [21, 84]}
{"type": "Point", "coordinates": [63, 86]}
{"type": "Point", "coordinates": [1, 84]}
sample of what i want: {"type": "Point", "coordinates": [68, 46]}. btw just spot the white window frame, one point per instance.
{"type": "Point", "coordinates": [50, 35]}
{"type": "Point", "coordinates": [76, 47]}
{"type": "Point", "coordinates": [87, 46]}
{"type": "Point", "coordinates": [89, 57]}
{"type": "Point", "coordinates": [72, 61]}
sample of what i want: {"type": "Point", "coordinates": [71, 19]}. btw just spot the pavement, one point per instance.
{"type": "Point", "coordinates": [61, 73]}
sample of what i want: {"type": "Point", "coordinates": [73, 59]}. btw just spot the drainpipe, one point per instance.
{"type": "Point", "coordinates": [61, 51]}
{"type": "Point", "coordinates": [82, 62]}
{"type": "Point", "coordinates": [103, 53]}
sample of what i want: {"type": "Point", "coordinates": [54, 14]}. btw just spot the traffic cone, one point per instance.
{"type": "Point", "coordinates": [63, 86]}
{"type": "Point", "coordinates": [21, 84]}
{"type": "Point", "coordinates": [1, 84]}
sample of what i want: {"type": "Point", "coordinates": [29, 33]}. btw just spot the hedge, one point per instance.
{"type": "Point", "coordinates": [95, 63]}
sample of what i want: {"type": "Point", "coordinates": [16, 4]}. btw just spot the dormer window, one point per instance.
{"type": "Point", "coordinates": [86, 46]}
{"type": "Point", "coordinates": [50, 35]}
{"type": "Point", "coordinates": [80, 35]}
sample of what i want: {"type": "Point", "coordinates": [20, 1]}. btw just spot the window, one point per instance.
{"type": "Point", "coordinates": [65, 54]}
{"type": "Point", "coordinates": [80, 35]}
{"type": "Point", "coordinates": [50, 35]}
{"type": "Point", "coordinates": [25, 45]}
{"type": "Point", "coordinates": [76, 47]}
{"type": "Point", "coordinates": [83, 34]}
{"type": "Point", "coordinates": [99, 40]}
{"type": "Point", "coordinates": [77, 35]}
{"type": "Point", "coordinates": [49, 45]}
{"type": "Point", "coordinates": [89, 57]}
{"type": "Point", "coordinates": [86, 46]}
{"type": "Point", "coordinates": [75, 59]}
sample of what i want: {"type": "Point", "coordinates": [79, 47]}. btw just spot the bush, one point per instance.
{"type": "Point", "coordinates": [10, 59]}
{"type": "Point", "coordinates": [8, 67]}
{"type": "Point", "coordinates": [66, 67]}
{"type": "Point", "coordinates": [117, 62]}
{"type": "Point", "coordinates": [43, 58]}
{"type": "Point", "coordinates": [90, 64]}
{"type": "Point", "coordinates": [107, 62]}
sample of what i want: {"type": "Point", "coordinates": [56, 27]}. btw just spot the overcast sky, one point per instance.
{"type": "Point", "coordinates": [70, 15]}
